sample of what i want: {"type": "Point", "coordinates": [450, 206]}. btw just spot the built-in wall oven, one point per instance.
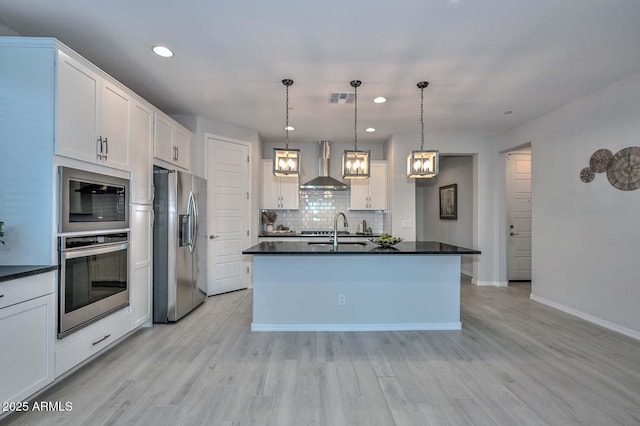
{"type": "Point", "coordinates": [92, 202]}
{"type": "Point", "coordinates": [93, 247]}
{"type": "Point", "coordinates": [94, 278]}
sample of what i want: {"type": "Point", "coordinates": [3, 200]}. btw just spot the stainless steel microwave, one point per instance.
{"type": "Point", "coordinates": [92, 202]}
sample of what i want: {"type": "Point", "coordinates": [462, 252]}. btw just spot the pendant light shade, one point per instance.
{"type": "Point", "coordinates": [355, 163]}
{"type": "Point", "coordinates": [286, 162]}
{"type": "Point", "coordinates": [423, 163]}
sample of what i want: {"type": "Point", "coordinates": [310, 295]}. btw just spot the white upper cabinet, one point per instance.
{"type": "Point", "coordinates": [370, 194]}
{"type": "Point", "coordinates": [278, 193]}
{"type": "Point", "coordinates": [172, 142]}
{"type": "Point", "coordinates": [141, 148]}
{"type": "Point", "coordinates": [93, 116]}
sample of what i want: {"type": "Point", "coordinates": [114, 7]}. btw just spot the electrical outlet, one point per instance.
{"type": "Point", "coordinates": [406, 223]}
{"type": "Point", "coordinates": [342, 299]}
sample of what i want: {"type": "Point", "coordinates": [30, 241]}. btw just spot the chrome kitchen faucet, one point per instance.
{"type": "Point", "coordinates": [335, 228]}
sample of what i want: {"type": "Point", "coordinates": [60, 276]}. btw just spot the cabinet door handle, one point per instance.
{"type": "Point", "coordinates": [99, 148]}
{"type": "Point", "coordinates": [101, 340]}
{"type": "Point", "coordinates": [1, 296]}
{"type": "Point", "coordinates": [106, 148]}
{"type": "Point", "coordinates": [177, 151]}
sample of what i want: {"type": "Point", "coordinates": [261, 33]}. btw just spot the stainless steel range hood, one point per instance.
{"type": "Point", "coordinates": [324, 181]}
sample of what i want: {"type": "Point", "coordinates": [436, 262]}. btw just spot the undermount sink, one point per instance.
{"type": "Point", "coordinates": [340, 243]}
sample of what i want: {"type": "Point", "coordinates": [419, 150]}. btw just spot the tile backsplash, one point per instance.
{"type": "Point", "coordinates": [317, 210]}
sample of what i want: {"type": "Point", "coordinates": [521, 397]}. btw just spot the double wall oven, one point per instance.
{"type": "Point", "coordinates": [92, 248]}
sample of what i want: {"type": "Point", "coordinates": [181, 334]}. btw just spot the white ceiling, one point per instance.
{"type": "Point", "coordinates": [482, 57]}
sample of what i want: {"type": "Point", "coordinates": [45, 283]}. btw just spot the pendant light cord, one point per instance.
{"type": "Point", "coordinates": [286, 128]}
{"type": "Point", "coordinates": [422, 117]}
{"type": "Point", "coordinates": [287, 82]}
{"type": "Point", "coordinates": [355, 84]}
{"type": "Point", "coordinates": [355, 127]}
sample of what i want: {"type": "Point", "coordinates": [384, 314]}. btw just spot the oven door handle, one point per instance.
{"type": "Point", "coordinates": [74, 254]}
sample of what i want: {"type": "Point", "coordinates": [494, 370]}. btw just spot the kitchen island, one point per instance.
{"type": "Point", "coordinates": [414, 285]}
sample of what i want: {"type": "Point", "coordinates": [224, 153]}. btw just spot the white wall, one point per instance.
{"type": "Point", "coordinates": [6, 31]}
{"type": "Point", "coordinates": [429, 226]}
{"type": "Point", "coordinates": [27, 173]}
{"type": "Point", "coordinates": [485, 159]}
{"type": "Point", "coordinates": [585, 238]}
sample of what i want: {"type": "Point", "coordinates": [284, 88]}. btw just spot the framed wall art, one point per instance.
{"type": "Point", "coordinates": [449, 202]}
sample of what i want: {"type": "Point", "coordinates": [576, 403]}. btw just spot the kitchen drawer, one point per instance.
{"type": "Point", "coordinates": [27, 288]}
{"type": "Point", "coordinates": [79, 346]}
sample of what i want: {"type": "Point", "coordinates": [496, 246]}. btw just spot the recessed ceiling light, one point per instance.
{"type": "Point", "coordinates": [163, 51]}
{"type": "Point", "coordinates": [380, 100]}
{"type": "Point", "coordinates": [370, 129]}
{"type": "Point", "coordinates": [289, 128]}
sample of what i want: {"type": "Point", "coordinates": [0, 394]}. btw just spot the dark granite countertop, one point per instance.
{"type": "Point", "coordinates": [405, 247]}
{"type": "Point", "coordinates": [13, 272]}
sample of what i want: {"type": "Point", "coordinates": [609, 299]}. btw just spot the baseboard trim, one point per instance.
{"type": "Point", "coordinates": [357, 327]}
{"type": "Point", "coordinates": [489, 283]}
{"type": "Point", "coordinates": [598, 321]}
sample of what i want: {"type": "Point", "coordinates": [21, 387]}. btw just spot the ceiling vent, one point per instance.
{"type": "Point", "coordinates": [342, 98]}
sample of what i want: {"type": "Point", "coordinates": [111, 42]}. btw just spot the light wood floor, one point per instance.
{"type": "Point", "coordinates": [516, 362]}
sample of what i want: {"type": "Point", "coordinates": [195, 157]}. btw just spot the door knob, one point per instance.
{"type": "Point", "coordinates": [211, 237]}
{"type": "Point", "coordinates": [513, 233]}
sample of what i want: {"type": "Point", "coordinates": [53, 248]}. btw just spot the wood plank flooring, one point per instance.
{"type": "Point", "coordinates": [515, 362]}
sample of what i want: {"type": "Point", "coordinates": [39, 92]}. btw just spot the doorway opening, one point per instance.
{"type": "Point", "coordinates": [518, 215]}
{"type": "Point", "coordinates": [454, 169]}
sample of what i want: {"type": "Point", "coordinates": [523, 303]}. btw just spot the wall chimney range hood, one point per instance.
{"type": "Point", "coordinates": [324, 181]}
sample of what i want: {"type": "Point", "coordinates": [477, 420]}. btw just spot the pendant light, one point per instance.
{"type": "Point", "coordinates": [286, 162]}
{"type": "Point", "coordinates": [355, 163]}
{"type": "Point", "coordinates": [422, 164]}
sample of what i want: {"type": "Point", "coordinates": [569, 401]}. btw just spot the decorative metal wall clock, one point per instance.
{"type": "Point", "coordinates": [622, 169]}
{"type": "Point", "coordinates": [624, 172]}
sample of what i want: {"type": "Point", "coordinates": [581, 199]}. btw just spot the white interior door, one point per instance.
{"type": "Point", "coordinates": [227, 215]}
{"type": "Point", "coordinates": [519, 216]}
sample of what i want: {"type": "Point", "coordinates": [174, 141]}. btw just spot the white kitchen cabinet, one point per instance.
{"type": "Point", "coordinates": [172, 142]}
{"type": "Point", "coordinates": [141, 153]}
{"type": "Point", "coordinates": [182, 144]}
{"type": "Point", "coordinates": [27, 333]}
{"type": "Point", "coordinates": [370, 194]}
{"type": "Point", "coordinates": [87, 342]}
{"type": "Point", "coordinates": [93, 115]}
{"type": "Point", "coordinates": [140, 290]}
{"type": "Point", "coordinates": [279, 193]}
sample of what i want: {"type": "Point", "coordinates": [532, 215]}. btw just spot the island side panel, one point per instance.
{"type": "Point", "coordinates": [402, 292]}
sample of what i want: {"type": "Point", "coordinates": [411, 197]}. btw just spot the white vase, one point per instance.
{"type": "Point", "coordinates": [270, 227]}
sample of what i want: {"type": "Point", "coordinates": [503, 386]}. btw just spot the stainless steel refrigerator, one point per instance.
{"type": "Point", "coordinates": [179, 244]}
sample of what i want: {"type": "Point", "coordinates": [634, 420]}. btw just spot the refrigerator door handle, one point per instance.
{"type": "Point", "coordinates": [192, 219]}
{"type": "Point", "coordinates": [196, 218]}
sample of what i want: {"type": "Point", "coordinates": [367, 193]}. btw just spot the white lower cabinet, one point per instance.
{"type": "Point", "coordinates": [27, 333]}
{"type": "Point", "coordinates": [81, 345]}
